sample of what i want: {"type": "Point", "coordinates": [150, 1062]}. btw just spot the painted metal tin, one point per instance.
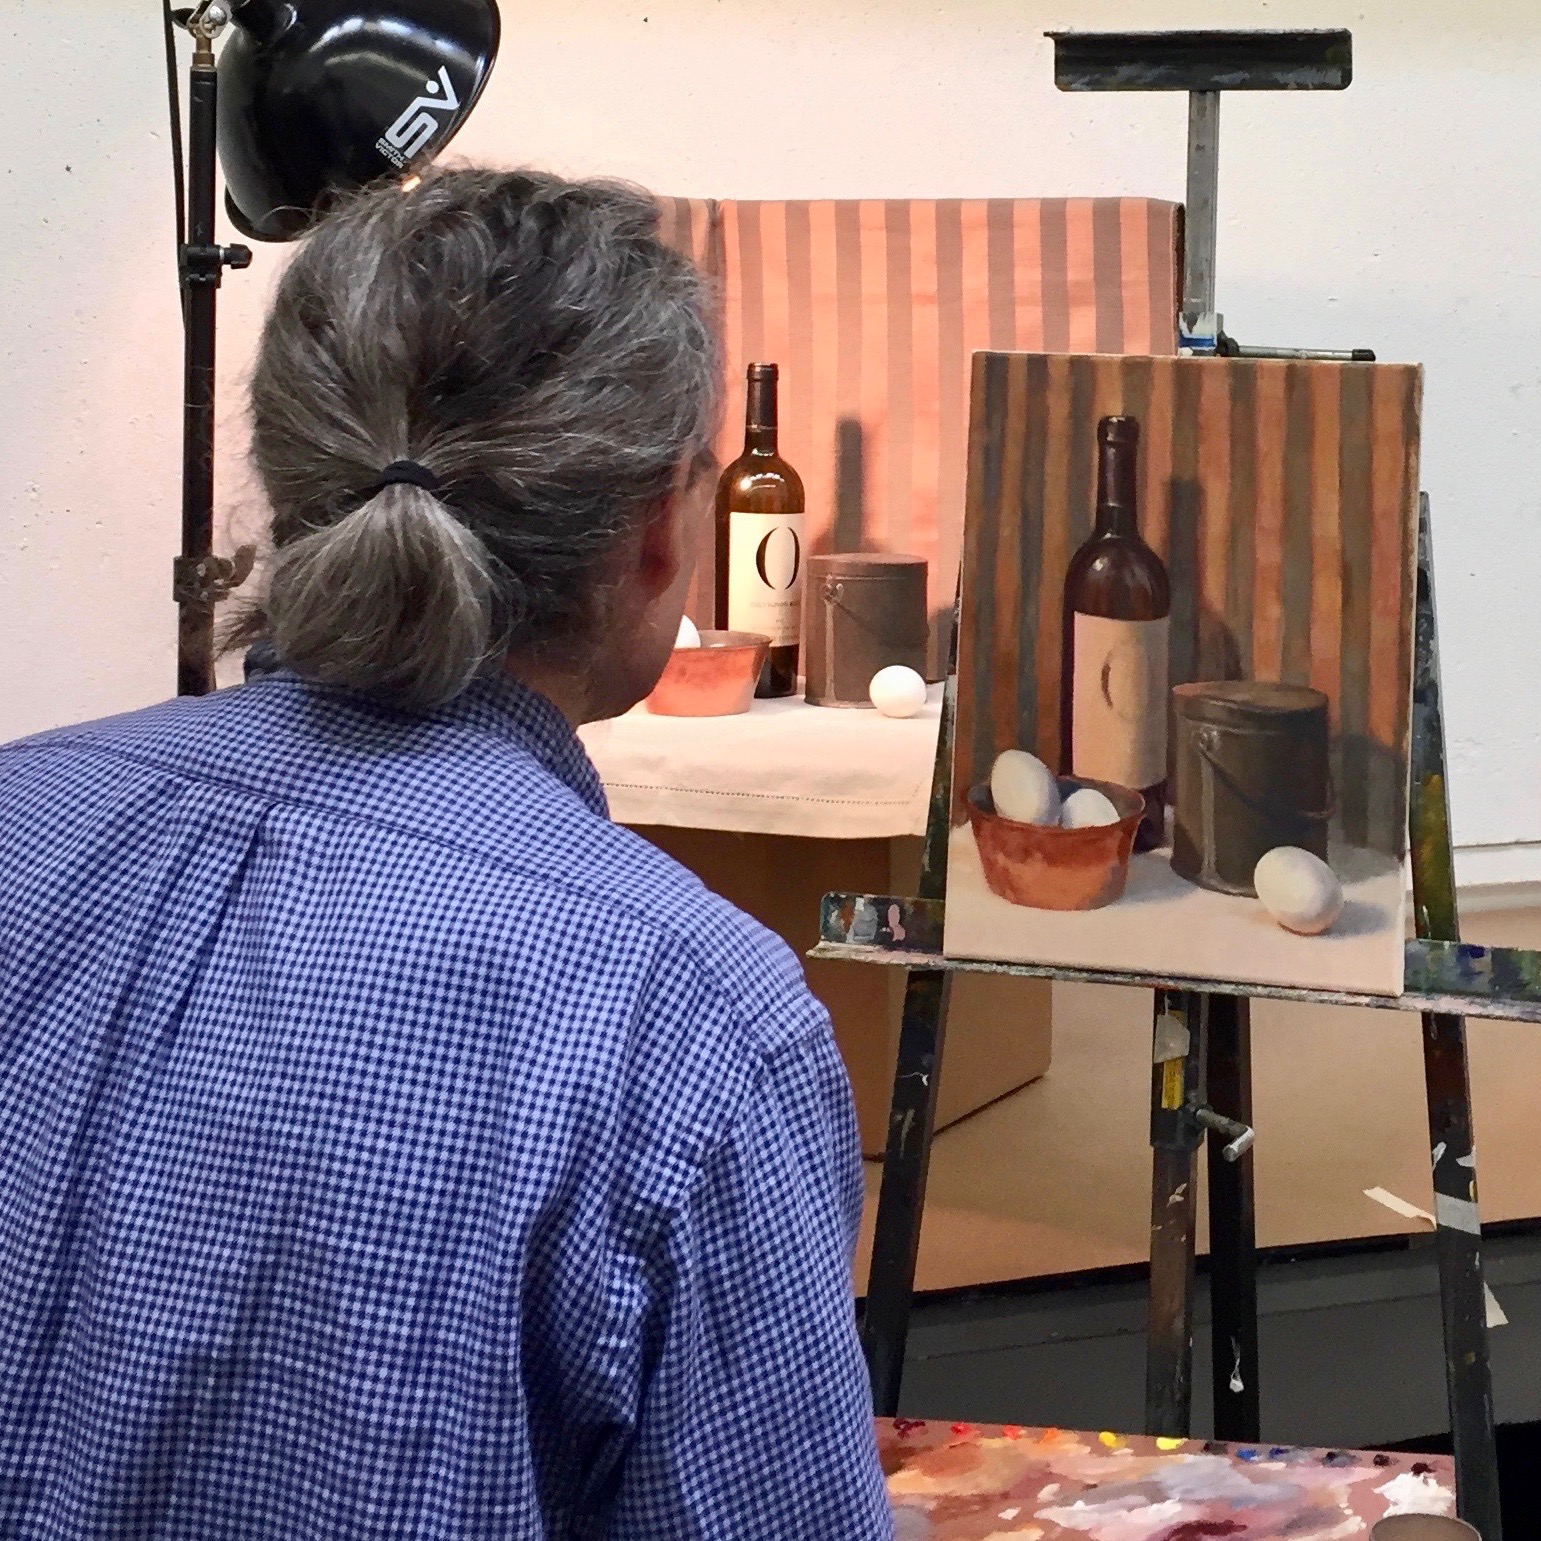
{"type": "Point", "coordinates": [1253, 772]}
{"type": "Point", "coordinates": [863, 611]}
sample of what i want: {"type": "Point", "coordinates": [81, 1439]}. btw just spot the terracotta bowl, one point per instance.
{"type": "Point", "coordinates": [716, 679]}
{"type": "Point", "coordinates": [1048, 868]}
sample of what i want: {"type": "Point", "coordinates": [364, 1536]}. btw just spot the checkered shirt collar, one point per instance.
{"type": "Point", "coordinates": [502, 705]}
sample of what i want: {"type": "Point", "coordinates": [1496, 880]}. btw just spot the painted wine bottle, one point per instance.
{"type": "Point", "coordinates": [760, 540]}
{"type": "Point", "coordinates": [1118, 604]}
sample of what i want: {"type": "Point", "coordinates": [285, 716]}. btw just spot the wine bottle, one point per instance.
{"type": "Point", "coordinates": [1118, 604]}
{"type": "Point", "coordinates": [760, 540]}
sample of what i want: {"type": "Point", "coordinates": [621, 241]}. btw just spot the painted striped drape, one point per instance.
{"type": "Point", "coordinates": [872, 310]}
{"type": "Point", "coordinates": [1283, 498]}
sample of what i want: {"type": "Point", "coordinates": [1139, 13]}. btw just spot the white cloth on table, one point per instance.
{"type": "Point", "coordinates": [781, 768]}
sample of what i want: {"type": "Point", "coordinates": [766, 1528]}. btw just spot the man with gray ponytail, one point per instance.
{"type": "Point", "coordinates": [394, 1146]}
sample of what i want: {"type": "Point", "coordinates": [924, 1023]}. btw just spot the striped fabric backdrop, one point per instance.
{"type": "Point", "coordinates": [693, 226]}
{"type": "Point", "coordinates": [872, 310]}
{"type": "Point", "coordinates": [1283, 498]}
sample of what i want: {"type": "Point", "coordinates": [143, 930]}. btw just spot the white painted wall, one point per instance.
{"type": "Point", "coordinates": [1404, 214]}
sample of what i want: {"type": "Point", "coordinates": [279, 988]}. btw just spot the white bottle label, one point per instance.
{"type": "Point", "coordinates": [765, 575]}
{"type": "Point", "coordinates": [1119, 701]}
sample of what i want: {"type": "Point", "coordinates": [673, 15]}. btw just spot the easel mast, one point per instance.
{"type": "Point", "coordinates": [1201, 1070]}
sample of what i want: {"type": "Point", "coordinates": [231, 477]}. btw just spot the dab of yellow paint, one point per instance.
{"type": "Point", "coordinates": [1112, 1441]}
{"type": "Point", "coordinates": [1164, 1443]}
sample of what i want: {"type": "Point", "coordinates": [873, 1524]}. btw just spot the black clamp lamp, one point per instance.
{"type": "Point", "coordinates": [308, 99]}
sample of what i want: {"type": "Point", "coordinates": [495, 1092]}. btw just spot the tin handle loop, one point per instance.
{"type": "Point", "coordinates": [1207, 744]}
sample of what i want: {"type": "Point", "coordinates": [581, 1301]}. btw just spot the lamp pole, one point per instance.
{"type": "Point", "coordinates": [199, 578]}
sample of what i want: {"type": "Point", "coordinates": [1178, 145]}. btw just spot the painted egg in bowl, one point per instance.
{"type": "Point", "coordinates": [1048, 867]}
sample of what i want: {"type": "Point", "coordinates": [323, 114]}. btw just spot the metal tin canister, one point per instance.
{"type": "Point", "coordinates": [863, 611]}
{"type": "Point", "coordinates": [1253, 772]}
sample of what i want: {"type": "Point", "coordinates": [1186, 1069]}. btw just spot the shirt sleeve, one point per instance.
{"type": "Point", "coordinates": [756, 1414]}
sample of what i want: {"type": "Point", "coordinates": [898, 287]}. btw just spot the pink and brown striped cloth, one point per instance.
{"type": "Point", "coordinates": [873, 308]}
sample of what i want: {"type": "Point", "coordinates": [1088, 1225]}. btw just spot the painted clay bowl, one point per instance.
{"type": "Point", "coordinates": [1045, 867]}
{"type": "Point", "coordinates": [716, 679]}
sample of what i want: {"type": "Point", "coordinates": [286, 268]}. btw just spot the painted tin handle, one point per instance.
{"type": "Point", "coordinates": [1207, 740]}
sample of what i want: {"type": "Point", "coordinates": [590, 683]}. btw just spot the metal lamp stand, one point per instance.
{"type": "Point", "coordinates": [199, 578]}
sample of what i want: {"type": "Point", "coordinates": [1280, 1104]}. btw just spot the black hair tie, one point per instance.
{"type": "Point", "coordinates": [403, 473]}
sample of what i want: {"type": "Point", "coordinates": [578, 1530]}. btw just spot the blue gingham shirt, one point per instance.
{"type": "Point", "coordinates": [391, 1146]}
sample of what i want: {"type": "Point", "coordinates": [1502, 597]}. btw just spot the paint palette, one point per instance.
{"type": "Point", "coordinates": [974, 1482]}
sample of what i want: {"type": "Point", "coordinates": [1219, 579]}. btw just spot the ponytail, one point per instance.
{"type": "Point", "coordinates": [395, 601]}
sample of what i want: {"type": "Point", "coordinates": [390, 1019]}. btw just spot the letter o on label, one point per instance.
{"type": "Point", "coordinates": [778, 557]}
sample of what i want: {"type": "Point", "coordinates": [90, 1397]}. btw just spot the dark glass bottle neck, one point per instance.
{"type": "Point", "coordinates": [1116, 496]}
{"type": "Point", "coordinates": [760, 412]}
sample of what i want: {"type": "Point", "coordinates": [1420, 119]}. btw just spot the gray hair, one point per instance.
{"type": "Point", "coordinates": [536, 346]}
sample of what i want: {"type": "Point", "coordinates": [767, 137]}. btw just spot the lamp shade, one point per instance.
{"type": "Point", "coordinates": [318, 97]}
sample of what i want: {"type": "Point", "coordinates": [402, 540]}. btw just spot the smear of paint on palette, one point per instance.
{"type": "Point", "coordinates": [1414, 1492]}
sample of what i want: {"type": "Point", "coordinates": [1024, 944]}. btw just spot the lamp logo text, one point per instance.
{"type": "Point", "coordinates": [408, 136]}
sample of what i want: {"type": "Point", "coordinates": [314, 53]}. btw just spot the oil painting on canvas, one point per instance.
{"type": "Point", "coordinates": [1185, 668]}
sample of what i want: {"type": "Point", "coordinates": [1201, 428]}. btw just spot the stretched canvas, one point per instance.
{"type": "Point", "coordinates": [1281, 499]}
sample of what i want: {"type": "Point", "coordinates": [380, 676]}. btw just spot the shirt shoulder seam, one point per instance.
{"type": "Point", "coordinates": [743, 1019]}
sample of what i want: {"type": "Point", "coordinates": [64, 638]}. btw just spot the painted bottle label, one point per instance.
{"type": "Point", "coordinates": [765, 575]}
{"type": "Point", "coordinates": [1119, 701]}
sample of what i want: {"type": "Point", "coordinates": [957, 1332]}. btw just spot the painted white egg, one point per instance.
{"type": "Point", "coordinates": [897, 691]}
{"type": "Point", "coordinates": [689, 636]}
{"type": "Point", "coordinates": [1087, 808]}
{"type": "Point", "coordinates": [1299, 890]}
{"type": "Point", "coordinates": [1024, 788]}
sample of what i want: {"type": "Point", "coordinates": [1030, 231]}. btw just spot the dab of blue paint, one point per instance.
{"type": "Point", "coordinates": [1249, 1455]}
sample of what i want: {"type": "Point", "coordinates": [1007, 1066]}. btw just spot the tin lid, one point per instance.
{"type": "Point", "coordinates": [858, 565]}
{"type": "Point", "coordinates": [1247, 703]}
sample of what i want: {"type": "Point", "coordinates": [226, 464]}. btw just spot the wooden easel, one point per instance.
{"type": "Point", "coordinates": [1201, 1073]}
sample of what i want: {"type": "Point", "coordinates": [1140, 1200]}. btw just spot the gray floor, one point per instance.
{"type": "Point", "coordinates": [1350, 1349]}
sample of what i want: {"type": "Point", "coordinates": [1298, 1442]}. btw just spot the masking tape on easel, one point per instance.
{"type": "Point", "coordinates": [1172, 1085]}
{"type": "Point", "coordinates": [1455, 1214]}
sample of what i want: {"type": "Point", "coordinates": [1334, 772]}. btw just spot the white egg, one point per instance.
{"type": "Point", "coordinates": [1087, 808]}
{"type": "Point", "coordinates": [1299, 890]}
{"type": "Point", "coordinates": [897, 691]}
{"type": "Point", "coordinates": [689, 636]}
{"type": "Point", "coordinates": [1024, 788]}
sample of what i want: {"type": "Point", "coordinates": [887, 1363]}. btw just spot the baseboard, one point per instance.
{"type": "Point", "coordinates": [1499, 877]}
{"type": "Point", "coordinates": [1496, 877]}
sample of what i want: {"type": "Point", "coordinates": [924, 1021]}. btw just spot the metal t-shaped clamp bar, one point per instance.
{"type": "Point", "coordinates": [1180, 1112]}
{"type": "Point", "coordinates": [1239, 1137]}
{"type": "Point", "coordinates": [1204, 64]}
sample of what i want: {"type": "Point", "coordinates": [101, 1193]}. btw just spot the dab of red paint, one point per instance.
{"type": "Point", "coordinates": [963, 1428]}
